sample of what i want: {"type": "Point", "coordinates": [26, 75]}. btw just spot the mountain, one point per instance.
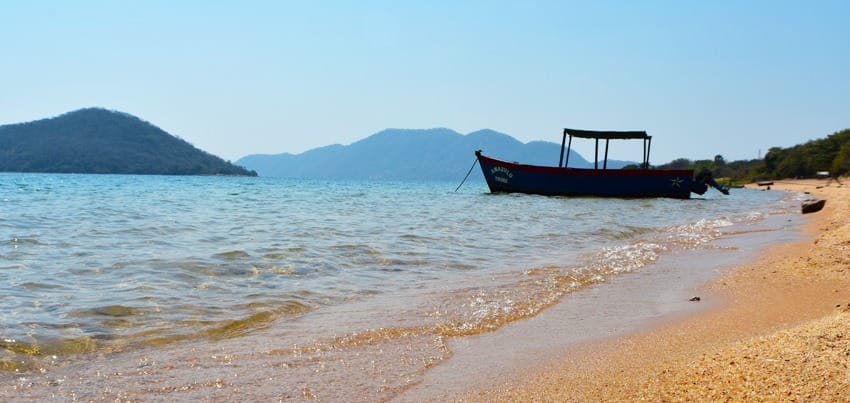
{"type": "Point", "coordinates": [95, 140]}
{"type": "Point", "coordinates": [406, 154]}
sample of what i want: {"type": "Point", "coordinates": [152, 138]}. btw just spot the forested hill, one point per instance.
{"type": "Point", "coordinates": [409, 154]}
{"type": "Point", "coordinates": [96, 140]}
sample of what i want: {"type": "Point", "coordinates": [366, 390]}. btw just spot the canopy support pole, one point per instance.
{"type": "Point", "coordinates": [596, 156]}
{"type": "Point", "coordinates": [605, 162]}
{"type": "Point", "coordinates": [563, 140]}
{"type": "Point", "coordinates": [648, 147]}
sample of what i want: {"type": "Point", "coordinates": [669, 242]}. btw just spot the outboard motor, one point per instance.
{"type": "Point", "coordinates": [703, 180]}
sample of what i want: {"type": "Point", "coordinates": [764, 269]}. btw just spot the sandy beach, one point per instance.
{"type": "Point", "coordinates": [779, 332]}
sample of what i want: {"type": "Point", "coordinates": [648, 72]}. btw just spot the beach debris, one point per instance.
{"type": "Point", "coordinates": [813, 205]}
{"type": "Point", "coordinates": [765, 183]}
{"type": "Point", "coordinates": [695, 299]}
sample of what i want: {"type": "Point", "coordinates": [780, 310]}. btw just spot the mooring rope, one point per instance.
{"type": "Point", "coordinates": [467, 174]}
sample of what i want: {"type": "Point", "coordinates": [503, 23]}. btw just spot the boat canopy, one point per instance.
{"type": "Point", "coordinates": [590, 134]}
{"type": "Point", "coordinates": [604, 135]}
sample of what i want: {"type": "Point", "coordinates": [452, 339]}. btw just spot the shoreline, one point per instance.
{"type": "Point", "coordinates": [779, 332]}
{"type": "Point", "coordinates": [619, 306]}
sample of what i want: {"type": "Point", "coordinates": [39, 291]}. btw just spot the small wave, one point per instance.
{"type": "Point", "coordinates": [233, 255]}
{"type": "Point", "coordinates": [345, 247]}
{"type": "Point", "coordinates": [623, 259]}
{"type": "Point", "coordinates": [697, 234]}
{"type": "Point", "coordinates": [416, 237]}
{"type": "Point", "coordinates": [15, 242]}
{"type": "Point", "coordinates": [120, 332]}
{"type": "Point", "coordinates": [241, 327]}
{"type": "Point", "coordinates": [279, 253]}
{"type": "Point", "coordinates": [487, 309]}
{"type": "Point", "coordinates": [33, 286]}
{"type": "Point", "coordinates": [18, 354]}
{"type": "Point", "coordinates": [460, 266]}
{"type": "Point", "coordinates": [236, 269]}
{"type": "Point", "coordinates": [285, 270]}
{"type": "Point", "coordinates": [755, 216]}
{"type": "Point", "coordinates": [275, 255]}
{"type": "Point", "coordinates": [625, 232]}
{"type": "Point", "coordinates": [236, 327]}
{"type": "Point", "coordinates": [109, 310]}
{"type": "Point", "coordinates": [399, 262]}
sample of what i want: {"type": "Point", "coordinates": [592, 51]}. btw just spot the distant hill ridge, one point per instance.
{"type": "Point", "coordinates": [97, 140]}
{"type": "Point", "coordinates": [409, 154]}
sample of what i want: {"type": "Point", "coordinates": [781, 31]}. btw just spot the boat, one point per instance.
{"type": "Point", "coordinates": [562, 180]}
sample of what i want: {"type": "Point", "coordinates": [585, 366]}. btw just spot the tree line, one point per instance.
{"type": "Point", "coordinates": [830, 154]}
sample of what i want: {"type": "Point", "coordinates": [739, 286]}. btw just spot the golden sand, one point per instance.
{"type": "Point", "coordinates": [782, 332]}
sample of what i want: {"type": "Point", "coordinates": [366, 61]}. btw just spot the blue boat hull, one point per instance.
{"type": "Point", "coordinates": [508, 177]}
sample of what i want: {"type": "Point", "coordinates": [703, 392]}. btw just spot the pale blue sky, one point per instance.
{"type": "Point", "coordinates": [238, 78]}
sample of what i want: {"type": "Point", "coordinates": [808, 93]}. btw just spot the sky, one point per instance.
{"type": "Point", "coordinates": [265, 77]}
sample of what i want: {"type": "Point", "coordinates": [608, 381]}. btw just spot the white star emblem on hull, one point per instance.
{"type": "Point", "coordinates": [676, 182]}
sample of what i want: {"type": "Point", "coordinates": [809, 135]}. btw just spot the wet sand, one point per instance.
{"type": "Point", "coordinates": [779, 329]}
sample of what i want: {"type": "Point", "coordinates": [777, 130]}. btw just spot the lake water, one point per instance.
{"type": "Point", "coordinates": [97, 264]}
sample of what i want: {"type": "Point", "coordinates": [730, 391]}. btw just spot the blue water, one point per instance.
{"type": "Point", "coordinates": [91, 262]}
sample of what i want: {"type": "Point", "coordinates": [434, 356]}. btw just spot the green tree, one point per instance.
{"type": "Point", "coordinates": [841, 163]}
{"type": "Point", "coordinates": [679, 163]}
{"type": "Point", "coordinates": [772, 158]}
{"type": "Point", "coordinates": [792, 165]}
